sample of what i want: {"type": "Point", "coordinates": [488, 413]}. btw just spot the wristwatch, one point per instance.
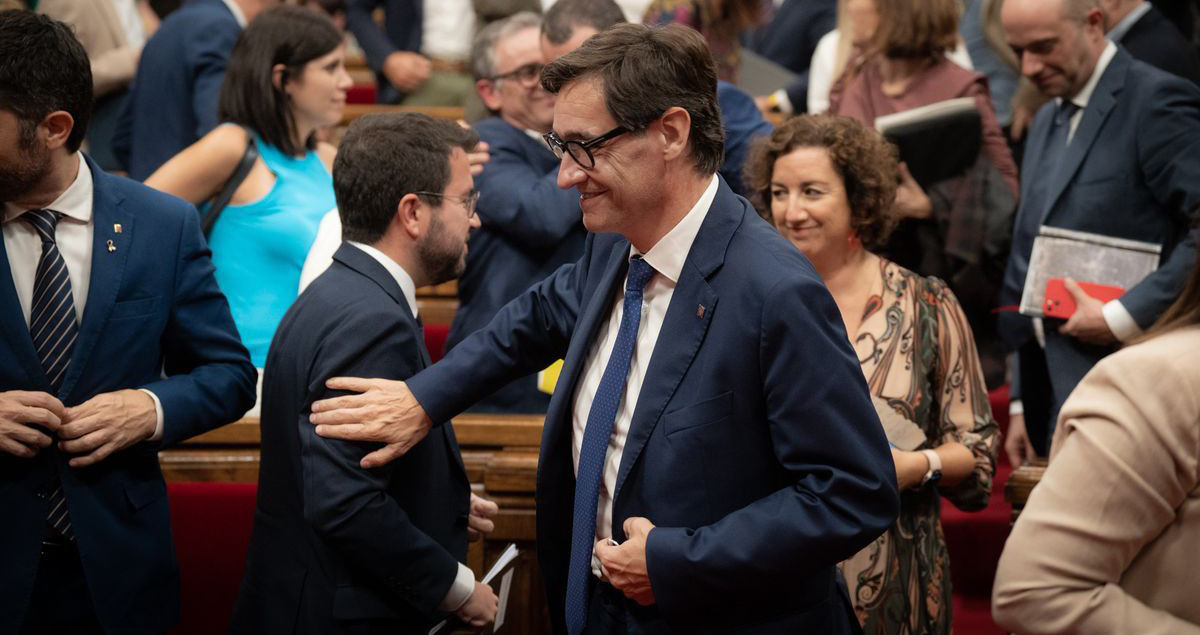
{"type": "Point", "coordinates": [935, 467]}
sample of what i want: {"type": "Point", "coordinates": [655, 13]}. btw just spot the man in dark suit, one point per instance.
{"type": "Point", "coordinates": [338, 549]}
{"type": "Point", "coordinates": [116, 343]}
{"type": "Point", "coordinates": [1148, 36]}
{"type": "Point", "coordinates": [569, 22]}
{"type": "Point", "coordinates": [711, 419]}
{"type": "Point", "coordinates": [394, 52]}
{"type": "Point", "coordinates": [173, 99]}
{"type": "Point", "coordinates": [789, 38]}
{"type": "Point", "coordinates": [529, 227]}
{"type": "Point", "coordinates": [1115, 152]}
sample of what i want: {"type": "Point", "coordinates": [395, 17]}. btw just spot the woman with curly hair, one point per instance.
{"type": "Point", "coordinates": [829, 184]}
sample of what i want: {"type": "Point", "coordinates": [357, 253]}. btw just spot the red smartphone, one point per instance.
{"type": "Point", "coordinates": [1060, 304]}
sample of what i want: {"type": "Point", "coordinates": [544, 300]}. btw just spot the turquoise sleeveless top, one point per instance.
{"type": "Point", "coordinates": [259, 248]}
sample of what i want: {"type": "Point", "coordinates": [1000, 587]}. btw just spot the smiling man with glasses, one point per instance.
{"type": "Point", "coordinates": [529, 227]}
{"type": "Point", "coordinates": [711, 451]}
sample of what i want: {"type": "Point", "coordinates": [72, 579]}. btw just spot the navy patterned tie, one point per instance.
{"type": "Point", "coordinates": [53, 327]}
{"type": "Point", "coordinates": [592, 452]}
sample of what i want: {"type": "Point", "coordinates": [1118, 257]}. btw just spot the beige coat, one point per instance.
{"type": "Point", "coordinates": [99, 29]}
{"type": "Point", "coordinates": [1110, 539]}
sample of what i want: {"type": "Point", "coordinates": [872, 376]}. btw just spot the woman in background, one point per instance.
{"type": "Point", "coordinates": [829, 184]}
{"type": "Point", "coordinates": [1108, 542]}
{"type": "Point", "coordinates": [286, 79]}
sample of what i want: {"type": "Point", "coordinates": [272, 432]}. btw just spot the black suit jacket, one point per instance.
{"type": "Point", "coordinates": [333, 542]}
{"type": "Point", "coordinates": [1155, 41]}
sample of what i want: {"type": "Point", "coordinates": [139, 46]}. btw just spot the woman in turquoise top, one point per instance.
{"type": "Point", "coordinates": [286, 79]}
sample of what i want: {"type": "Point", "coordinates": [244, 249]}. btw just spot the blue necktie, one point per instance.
{"type": "Point", "coordinates": [54, 330]}
{"type": "Point", "coordinates": [595, 445]}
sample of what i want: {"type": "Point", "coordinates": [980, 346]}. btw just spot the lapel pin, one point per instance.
{"type": "Point", "coordinates": [116, 228]}
{"type": "Point", "coordinates": [700, 311]}
{"type": "Point", "coordinates": [111, 246]}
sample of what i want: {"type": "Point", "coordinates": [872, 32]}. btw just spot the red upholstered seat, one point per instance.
{"type": "Point", "coordinates": [211, 523]}
{"type": "Point", "coordinates": [361, 94]}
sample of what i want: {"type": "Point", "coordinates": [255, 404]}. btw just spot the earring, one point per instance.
{"type": "Point", "coordinates": [852, 241]}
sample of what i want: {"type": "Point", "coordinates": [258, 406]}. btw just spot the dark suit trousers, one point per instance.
{"type": "Point", "coordinates": [1037, 396]}
{"type": "Point", "coordinates": [611, 613]}
{"type": "Point", "coordinates": [61, 603]}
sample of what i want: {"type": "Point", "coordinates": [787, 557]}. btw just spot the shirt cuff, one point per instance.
{"type": "Point", "coordinates": [780, 97]}
{"type": "Point", "coordinates": [1120, 322]}
{"type": "Point", "coordinates": [1016, 408]}
{"type": "Point", "coordinates": [460, 591]}
{"type": "Point", "coordinates": [158, 426]}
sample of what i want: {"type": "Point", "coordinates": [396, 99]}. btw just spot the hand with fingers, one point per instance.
{"type": "Point", "coordinates": [1087, 323]}
{"type": "Point", "coordinates": [106, 423]}
{"type": "Point", "coordinates": [479, 156]}
{"type": "Point", "coordinates": [624, 565]}
{"type": "Point", "coordinates": [384, 411]}
{"type": "Point", "coordinates": [1017, 444]}
{"type": "Point", "coordinates": [481, 608]}
{"type": "Point", "coordinates": [479, 521]}
{"type": "Point", "coordinates": [20, 412]}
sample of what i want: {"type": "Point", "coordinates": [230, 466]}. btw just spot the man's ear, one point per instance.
{"type": "Point", "coordinates": [676, 129]}
{"type": "Point", "coordinates": [489, 94]}
{"type": "Point", "coordinates": [57, 127]}
{"type": "Point", "coordinates": [410, 216]}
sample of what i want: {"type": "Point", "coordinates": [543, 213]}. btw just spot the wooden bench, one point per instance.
{"type": "Point", "coordinates": [500, 453]}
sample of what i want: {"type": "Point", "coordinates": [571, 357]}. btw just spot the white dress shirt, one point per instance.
{"type": "Point", "coordinates": [448, 29]}
{"type": "Point", "coordinates": [131, 22]}
{"type": "Point", "coordinates": [464, 582]}
{"type": "Point", "coordinates": [236, 10]}
{"type": "Point", "coordinates": [73, 235]}
{"type": "Point", "coordinates": [666, 258]}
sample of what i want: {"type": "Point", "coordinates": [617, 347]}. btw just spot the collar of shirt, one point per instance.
{"type": "Point", "coordinates": [669, 253]}
{"type": "Point", "coordinates": [237, 12]}
{"type": "Point", "coordinates": [1118, 32]}
{"type": "Point", "coordinates": [407, 286]}
{"type": "Point", "coordinates": [1085, 94]}
{"type": "Point", "coordinates": [75, 202]}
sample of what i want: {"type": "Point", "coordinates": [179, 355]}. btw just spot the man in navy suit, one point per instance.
{"type": "Point", "coordinates": [1115, 152]}
{"type": "Point", "coordinates": [395, 51]}
{"type": "Point", "coordinates": [173, 99]}
{"type": "Point", "coordinates": [711, 419]}
{"type": "Point", "coordinates": [789, 38]}
{"type": "Point", "coordinates": [1148, 36]}
{"type": "Point", "coordinates": [338, 549]}
{"type": "Point", "coordinates": [117, 343]}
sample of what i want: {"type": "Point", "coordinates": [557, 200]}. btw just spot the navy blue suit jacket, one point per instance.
{"type": "Point", "coordinates": [402, 23]}
{"type": "Point", "coordinates": [332, 541]}
{"type": "Point", "coordinates": [1132, 170]}
{"type": "Point", "coordinates": [173, 99]}
{"type": "Point", "coordinates": [743, 124]}
{"type": "Point", "coordinates": [790, 37]}
{"type": "Point", "coordinates": [1155, 41]}
{"type": "Point", "coordinates": [753, 447]}
{"type": "Point", "coordinates": [529, 227]}
{"type": "Point", "coordinates": [154, 319]}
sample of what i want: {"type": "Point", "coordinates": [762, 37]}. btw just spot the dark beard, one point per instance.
{"type": "Point", "coordinates": [441, 261]}
{"type": "Point", "coordinates": [19, 179]}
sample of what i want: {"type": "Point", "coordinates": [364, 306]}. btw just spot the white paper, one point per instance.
{"type": "Point", "coordinates": [505, 585]}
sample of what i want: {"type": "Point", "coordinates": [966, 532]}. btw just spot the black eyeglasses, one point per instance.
{"type": "Point", "coordinates": [581, 151]}
{"type": "Point", "coordinates": [528, 75]}
{"type": "Point", "coordinates": [468, 202]}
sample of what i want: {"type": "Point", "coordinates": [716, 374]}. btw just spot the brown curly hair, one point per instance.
{"type": "Point", "coordinates": [865, 161]}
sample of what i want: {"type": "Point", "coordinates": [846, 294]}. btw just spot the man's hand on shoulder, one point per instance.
{"type": "Point", "coordinates": [107, 423]}
{"type": "Point", "coordinates": [624, 565]}
{"type": "Point", "coordinates": [384, 411]}
{"type": "Point", "coordinates": [1087, 324]}
{"type": "Point", "coordinates": [20, 410]}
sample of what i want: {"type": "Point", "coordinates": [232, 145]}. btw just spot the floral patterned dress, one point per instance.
{"type": "Point", "coordinates": [916, 352]}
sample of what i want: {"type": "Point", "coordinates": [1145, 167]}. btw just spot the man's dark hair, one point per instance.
{"type": "Point", "coordinates": [645, 70]}
{"type": "Point", "coordinates": [385, 156]}
{"type": "Point", "coordinates": [43, 69]}
{"type": "Point", "coordinates": [288, 35]}
{"type": "Point", "coordinates": [564, 16]}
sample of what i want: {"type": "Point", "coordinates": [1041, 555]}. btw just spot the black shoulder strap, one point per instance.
{"type": "Point", "coordinates": [239, 174]}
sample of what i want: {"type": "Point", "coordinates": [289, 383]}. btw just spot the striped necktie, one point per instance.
{"type": "Point", "coordinates": [53, 327]}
